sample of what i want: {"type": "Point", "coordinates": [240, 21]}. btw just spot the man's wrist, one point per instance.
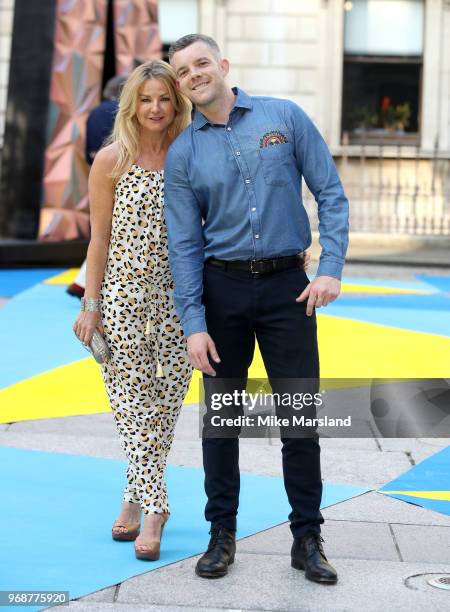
{"type": "Point", "coordinates": [194, 326]}
{"type": "Point", "coordinates": [330, 268]}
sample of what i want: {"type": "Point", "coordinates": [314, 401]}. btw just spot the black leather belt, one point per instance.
{"type": "Point", "coordinates": [259, 266]}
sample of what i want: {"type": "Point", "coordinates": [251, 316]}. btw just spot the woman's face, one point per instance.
{"type": "Point", "coordinates": [154, 109]}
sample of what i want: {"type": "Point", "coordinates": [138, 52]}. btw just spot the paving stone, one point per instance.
{"type": "Point", "coordinates": [377, 508]}
{"type": "Point", "coordinates": [257, 459]}
{"type": "Point", "coordinates": [362, 467]}
{"type": "Point", "coordinates": [267, 582]}
{"type": "Point", "coordinates": [98, 425]}
{"type": "Point", "coordinates": [104, 596]}
{"type": "Point", "coordinates": [349, 539]}
{"type": "Point", "coordinates": [418, 449]}
{"type": "Point", "coordinates": [433, 445]}
{"type": "Point", "coordinates": [345, 443]}
{"type": "Point", "coordinates": [423, 543]}
{"type": "Point", "coordinates": [89, 606]}
{"type": "Point", "coordinates": [58, 443]}
{"type": "Point", "coordinates": [350, 443]}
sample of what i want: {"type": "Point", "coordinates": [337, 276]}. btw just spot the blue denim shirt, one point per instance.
{"type": "Point", "coordinates": [234, 192]}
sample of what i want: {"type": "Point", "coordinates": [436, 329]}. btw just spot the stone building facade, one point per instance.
{"type": "Point", "coordinates": [295, 49]}
{"type": "Point", "coordinates": [398, 181]}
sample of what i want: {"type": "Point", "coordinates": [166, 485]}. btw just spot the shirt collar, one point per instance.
{"type": "Point", "coordinates": [243, 100]}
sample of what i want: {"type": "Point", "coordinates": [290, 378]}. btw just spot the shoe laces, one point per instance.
{"type": "Point", "coordinates": [215, 533]}
{"type": "Point", "coordinates": [315, 535]}
{"type": "Point", "coordinates": [318, 539]}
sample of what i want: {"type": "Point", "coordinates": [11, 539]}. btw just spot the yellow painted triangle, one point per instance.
{"type": "Point", "coordinates": [357, 288]}
{"type": "Point", "coordinates": [72, 389]}
{"type": "Point", "coordinates": [440, 495]}
{"type": "Point", "coordinates": [68, 277]}
{"type": "Point", "coordinates": [352, 349]}
{"type": "Point", "coordinates": [358, 349]}
{"type": "Point", "coordinates": [349, 349]}
{"type": "Point", "coordinates": [65, 278]}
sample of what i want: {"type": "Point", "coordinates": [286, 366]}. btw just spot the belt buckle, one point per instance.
{"type": "Point", "coordinates": [253, 261]}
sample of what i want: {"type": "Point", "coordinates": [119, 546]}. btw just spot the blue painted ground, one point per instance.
{"type": "Point", "coordinates": [36, 333]}
{"type": "Point", "coordinates": [14, 281]}
{"type": "Point", "coordinates": [442, 283]}
{"type": "Point", "coordinates": [60, 509]}
{"type": "Point", "coordinates": [424, 313]}
{"type": "Point", "coordinates": [36, 326]}
{"type": "Point", "coordinates": [432, 474]}
{"type": "Point", "coordinates": [421, 284]}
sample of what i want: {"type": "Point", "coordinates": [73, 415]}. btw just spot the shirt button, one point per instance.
{"type": "Point", "coordinates": [238, 152]}
{"type": "Point", "coordinates": [256, 235]}
{"type": "Point", "coordinates": [228, 129]}
{"type": "Point", "coordinates": [254, 209]}
{"type": "Point", "coordinates": [247, 181]}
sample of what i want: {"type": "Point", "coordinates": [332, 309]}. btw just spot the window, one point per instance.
{"type": "Point", "coordinates": [176, 18]}
{"type": "Point", "coordinates": [383, 52]}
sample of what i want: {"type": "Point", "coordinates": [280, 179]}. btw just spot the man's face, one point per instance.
{"type": "Point", "coordinates": [200, 74]}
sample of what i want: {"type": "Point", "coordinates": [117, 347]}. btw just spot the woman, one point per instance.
{"type": "Point", "coordinates": [128, 295]}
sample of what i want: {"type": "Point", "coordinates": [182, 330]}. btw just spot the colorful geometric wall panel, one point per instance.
{"type": "Point", "coordinates": [136, 34]}
{"type": "Point", "coordinates": [79, 45]}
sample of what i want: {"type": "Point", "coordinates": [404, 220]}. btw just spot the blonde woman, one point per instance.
{"type": "Point", "coordinates": [128, 295]}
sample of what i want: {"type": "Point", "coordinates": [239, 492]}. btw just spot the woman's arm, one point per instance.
{"type": "Point", "coordinates": [101, 202]}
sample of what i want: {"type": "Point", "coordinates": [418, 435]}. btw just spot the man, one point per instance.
{"type": "Point", "coordinates": [236, 225]}
{"type": "Point", "coordinates": [100, 121]}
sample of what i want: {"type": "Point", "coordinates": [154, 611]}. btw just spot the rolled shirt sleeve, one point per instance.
{"type": "Point", "coordinates": [185, 241]}
{"type": "Point", "coordinates": [319, 171]}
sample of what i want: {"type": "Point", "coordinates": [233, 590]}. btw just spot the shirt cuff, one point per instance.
{"type": "Point", "coordinates": [329, 267]}
{"type": "Point", "coordinates": [194, 326]}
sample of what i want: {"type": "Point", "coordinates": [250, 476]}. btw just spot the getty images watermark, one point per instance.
{"type": "Point", "coordinates": [335, 408]}
{"type": "Point", "coordinates": [256, 401]}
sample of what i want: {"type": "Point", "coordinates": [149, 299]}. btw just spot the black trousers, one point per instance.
{"type": "Point", "coordinates": [240, 307]}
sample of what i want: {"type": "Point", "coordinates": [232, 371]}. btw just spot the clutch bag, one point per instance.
{"type": "Point", "coordinates": [98, 348]}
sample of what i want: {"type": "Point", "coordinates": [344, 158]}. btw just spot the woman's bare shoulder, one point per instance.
{"type": "Point", "coordinates": [106, 158]}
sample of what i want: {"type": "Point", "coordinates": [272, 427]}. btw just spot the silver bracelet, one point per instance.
{"type": "Point", "coordinates": [90, 305]}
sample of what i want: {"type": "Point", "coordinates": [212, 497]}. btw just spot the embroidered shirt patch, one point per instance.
{"type": "Point", "coordinates": [272, 138]}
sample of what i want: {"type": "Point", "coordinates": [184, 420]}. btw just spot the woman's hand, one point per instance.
{"type": "Point", "coordinates": [85, 325]}
{"type": "Point", "coordinates": [306, 258]}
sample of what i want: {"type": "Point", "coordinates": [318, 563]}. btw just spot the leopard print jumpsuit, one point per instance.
{"type": "Point", "coordinates": [148, 375]}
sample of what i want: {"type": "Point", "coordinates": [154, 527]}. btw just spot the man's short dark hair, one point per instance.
{"type": "Point", "coordinates": [190, 39]}
{"type": "Point", "coordinates": [113, 88]}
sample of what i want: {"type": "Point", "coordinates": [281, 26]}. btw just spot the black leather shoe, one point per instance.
{"type": "Point", "coordinates": [219, 555]}
{"type": "Point", "coordinates": [307, 554]}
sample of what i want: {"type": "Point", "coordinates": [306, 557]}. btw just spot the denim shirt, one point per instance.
{"type": "Point", "coordinates": [234, 192]}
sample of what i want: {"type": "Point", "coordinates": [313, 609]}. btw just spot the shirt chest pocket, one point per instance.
{"type": "Point", "coordinates": [276, 161]}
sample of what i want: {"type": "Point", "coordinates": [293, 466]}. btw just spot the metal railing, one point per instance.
{"type": "Point", "coordinates": [394, 189]}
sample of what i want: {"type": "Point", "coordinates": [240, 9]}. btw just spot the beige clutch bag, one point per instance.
{"type": "Point", "coordinates": [98, 348]}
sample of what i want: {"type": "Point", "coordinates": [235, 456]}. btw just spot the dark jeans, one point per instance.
{"type": "Point", "coordinates": [239, 307]}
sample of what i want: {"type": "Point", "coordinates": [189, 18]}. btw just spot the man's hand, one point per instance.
{"type": "Point", "coordinates": [320, 292]}
{"type": "Point", "coordinates": [306, 259]}
{"type": "Point", "coordinates": [198, 347]}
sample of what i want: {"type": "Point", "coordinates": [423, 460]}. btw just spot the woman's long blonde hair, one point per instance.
{"type": "Point", "coordinates": [126, 127]}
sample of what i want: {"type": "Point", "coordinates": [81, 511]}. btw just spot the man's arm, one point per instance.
{"type": "Point", "coordinates": [185, 241]}
{"type": "Point", "coordinates": [184, 228]}
{"type": "Point", "coordinates": [319, 171]}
